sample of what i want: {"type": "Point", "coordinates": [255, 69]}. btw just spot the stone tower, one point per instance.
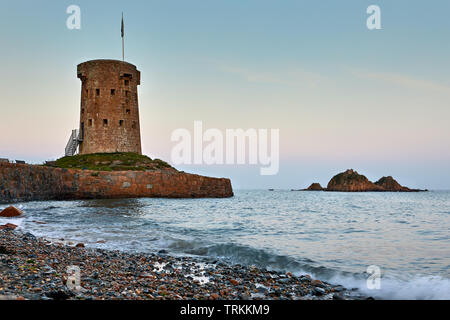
{"type": "Point", "coordinates": [109, 115]}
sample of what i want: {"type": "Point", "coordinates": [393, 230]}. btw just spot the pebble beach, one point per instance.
{"type": "Point", "coordinates": [34, 268]}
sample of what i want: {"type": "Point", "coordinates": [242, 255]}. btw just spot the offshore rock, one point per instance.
{"type": "Point", "coordinates": [315, 187]}
{"type": "Point", "coordinates": [389, 184]}
{"type": "Point", "coordinates": [351, 181]}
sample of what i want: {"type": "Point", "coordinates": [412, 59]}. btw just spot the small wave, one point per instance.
{"type": "Point", "coordinates": [17, 221]}
{"type": "Point", "coordinates": [415, 288]}
{"type": "Point", "coordinates": [244, 255]}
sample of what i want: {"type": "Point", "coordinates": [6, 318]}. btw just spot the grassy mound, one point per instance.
{"type": "Point", "coordinates": [119, 161]}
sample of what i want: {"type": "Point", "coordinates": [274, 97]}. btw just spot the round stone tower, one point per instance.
{"type": "Point", "coordinates": [109, 115]}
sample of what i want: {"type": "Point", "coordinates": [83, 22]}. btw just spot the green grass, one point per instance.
{"type": "Point", "coordinates": [119, 161]}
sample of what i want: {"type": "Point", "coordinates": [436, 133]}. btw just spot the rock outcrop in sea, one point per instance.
{"type": "Point", "coordinates": [352, 181]}
{"type": "Point", "coordinates": [315, 187]}
{"type": "Point", "coordinates": [389, 183]}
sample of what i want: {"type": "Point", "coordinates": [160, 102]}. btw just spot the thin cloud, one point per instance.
{"type": "Point", "coordinates": [403, 81]}
{"type": "Point", "coordinates": [288, 78]}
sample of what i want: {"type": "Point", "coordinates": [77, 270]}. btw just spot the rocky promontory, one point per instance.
{"type": "Point", "coordinates": [352, 181]}
{"type": "Point", "coordinates": [105, 176]}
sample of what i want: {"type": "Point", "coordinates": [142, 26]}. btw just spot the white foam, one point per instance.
{"type": "Point", "coordinates": [415, 288]}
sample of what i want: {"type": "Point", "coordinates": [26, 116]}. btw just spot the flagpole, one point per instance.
{"type": "Point", "coordinates": [123, 41]}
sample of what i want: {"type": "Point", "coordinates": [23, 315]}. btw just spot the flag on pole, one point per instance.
{"type": "Point", "coordinates": [122, 29]}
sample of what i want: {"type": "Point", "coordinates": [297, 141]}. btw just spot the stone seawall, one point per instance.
{"type": "Point", "coordinates": [33, 182]}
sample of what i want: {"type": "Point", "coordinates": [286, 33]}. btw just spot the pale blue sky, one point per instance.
{"type": "Point", "coordinates": [341, 95]}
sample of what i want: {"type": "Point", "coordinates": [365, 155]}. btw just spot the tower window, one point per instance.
{"type": "Point", "coordinates": [82, 131]}
{"type": "Point", "coordinates": [90, 122]}
{"type": "Point", "coordinates": [97, 92]}
{"type": "Point", "coordinates": [133, 125]}
{"type": "Point", "coordinates": [82, 110]}
{"type": "Point", "coordinates": [127, 82]}
{"type": "Point", "coordinates": [128, 111]}
{"type": "Point", "coordinates": [126, 93]}
{"type": "Point", "coordinates": [105, 122]}
{"type": "Point", "coordinates": [113, 92]}
{"type": "Point", "coordinates": [120, 123]}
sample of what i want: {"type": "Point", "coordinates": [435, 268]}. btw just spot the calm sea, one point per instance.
{"type": "Point", "coordinates": [331, 236]}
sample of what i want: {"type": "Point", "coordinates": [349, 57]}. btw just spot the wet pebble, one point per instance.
{"type": "Point", "coordinates": [33, 268]}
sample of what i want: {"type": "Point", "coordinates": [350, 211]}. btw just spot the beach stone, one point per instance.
{"type": "Point", "coordinates": [319, 291]}
{"type": "Point", "coordinates": [234, 282]}
{"type": "Point", "coordinates": [8, 226]}
{"type": "Point", "coordinates": [80, 245]}
{"type": "Point", "coordinates": [29, 236]}
{"type": "Point", "coordinates": [10, 212]}
{"type": "Point", "coordinates": [262, 290]}
{"type": "Point", "coordinates": [59, 295]}
{"type": "Point", "coordinates": [338, 289]}
{"type": "Point", "coordinates": [284, 280]}
{"type": "Point", "coordinates": [214, 296]}
{"type": "Point", "coordinates": [49, 270]}
{"type": "Point", "coordinates": [317, 283]}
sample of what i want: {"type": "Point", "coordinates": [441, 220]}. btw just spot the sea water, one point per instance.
{"type": "Point", "coordinates": [332, 236]}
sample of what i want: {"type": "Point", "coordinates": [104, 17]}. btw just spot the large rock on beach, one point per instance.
{"type": "Point", "coordinates": [10, 212]}
{"type": "Point", "coordinates": [8, 226]}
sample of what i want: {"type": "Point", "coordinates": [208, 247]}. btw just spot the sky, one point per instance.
{"type": "Point", "coordinates": [341, 95]}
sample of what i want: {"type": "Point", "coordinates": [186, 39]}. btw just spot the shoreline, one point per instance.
{"type": "Point", "coordinates": [33, 268]}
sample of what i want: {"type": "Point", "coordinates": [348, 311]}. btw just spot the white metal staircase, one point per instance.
{"type": "Point", "coordinates": [72, 144]}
